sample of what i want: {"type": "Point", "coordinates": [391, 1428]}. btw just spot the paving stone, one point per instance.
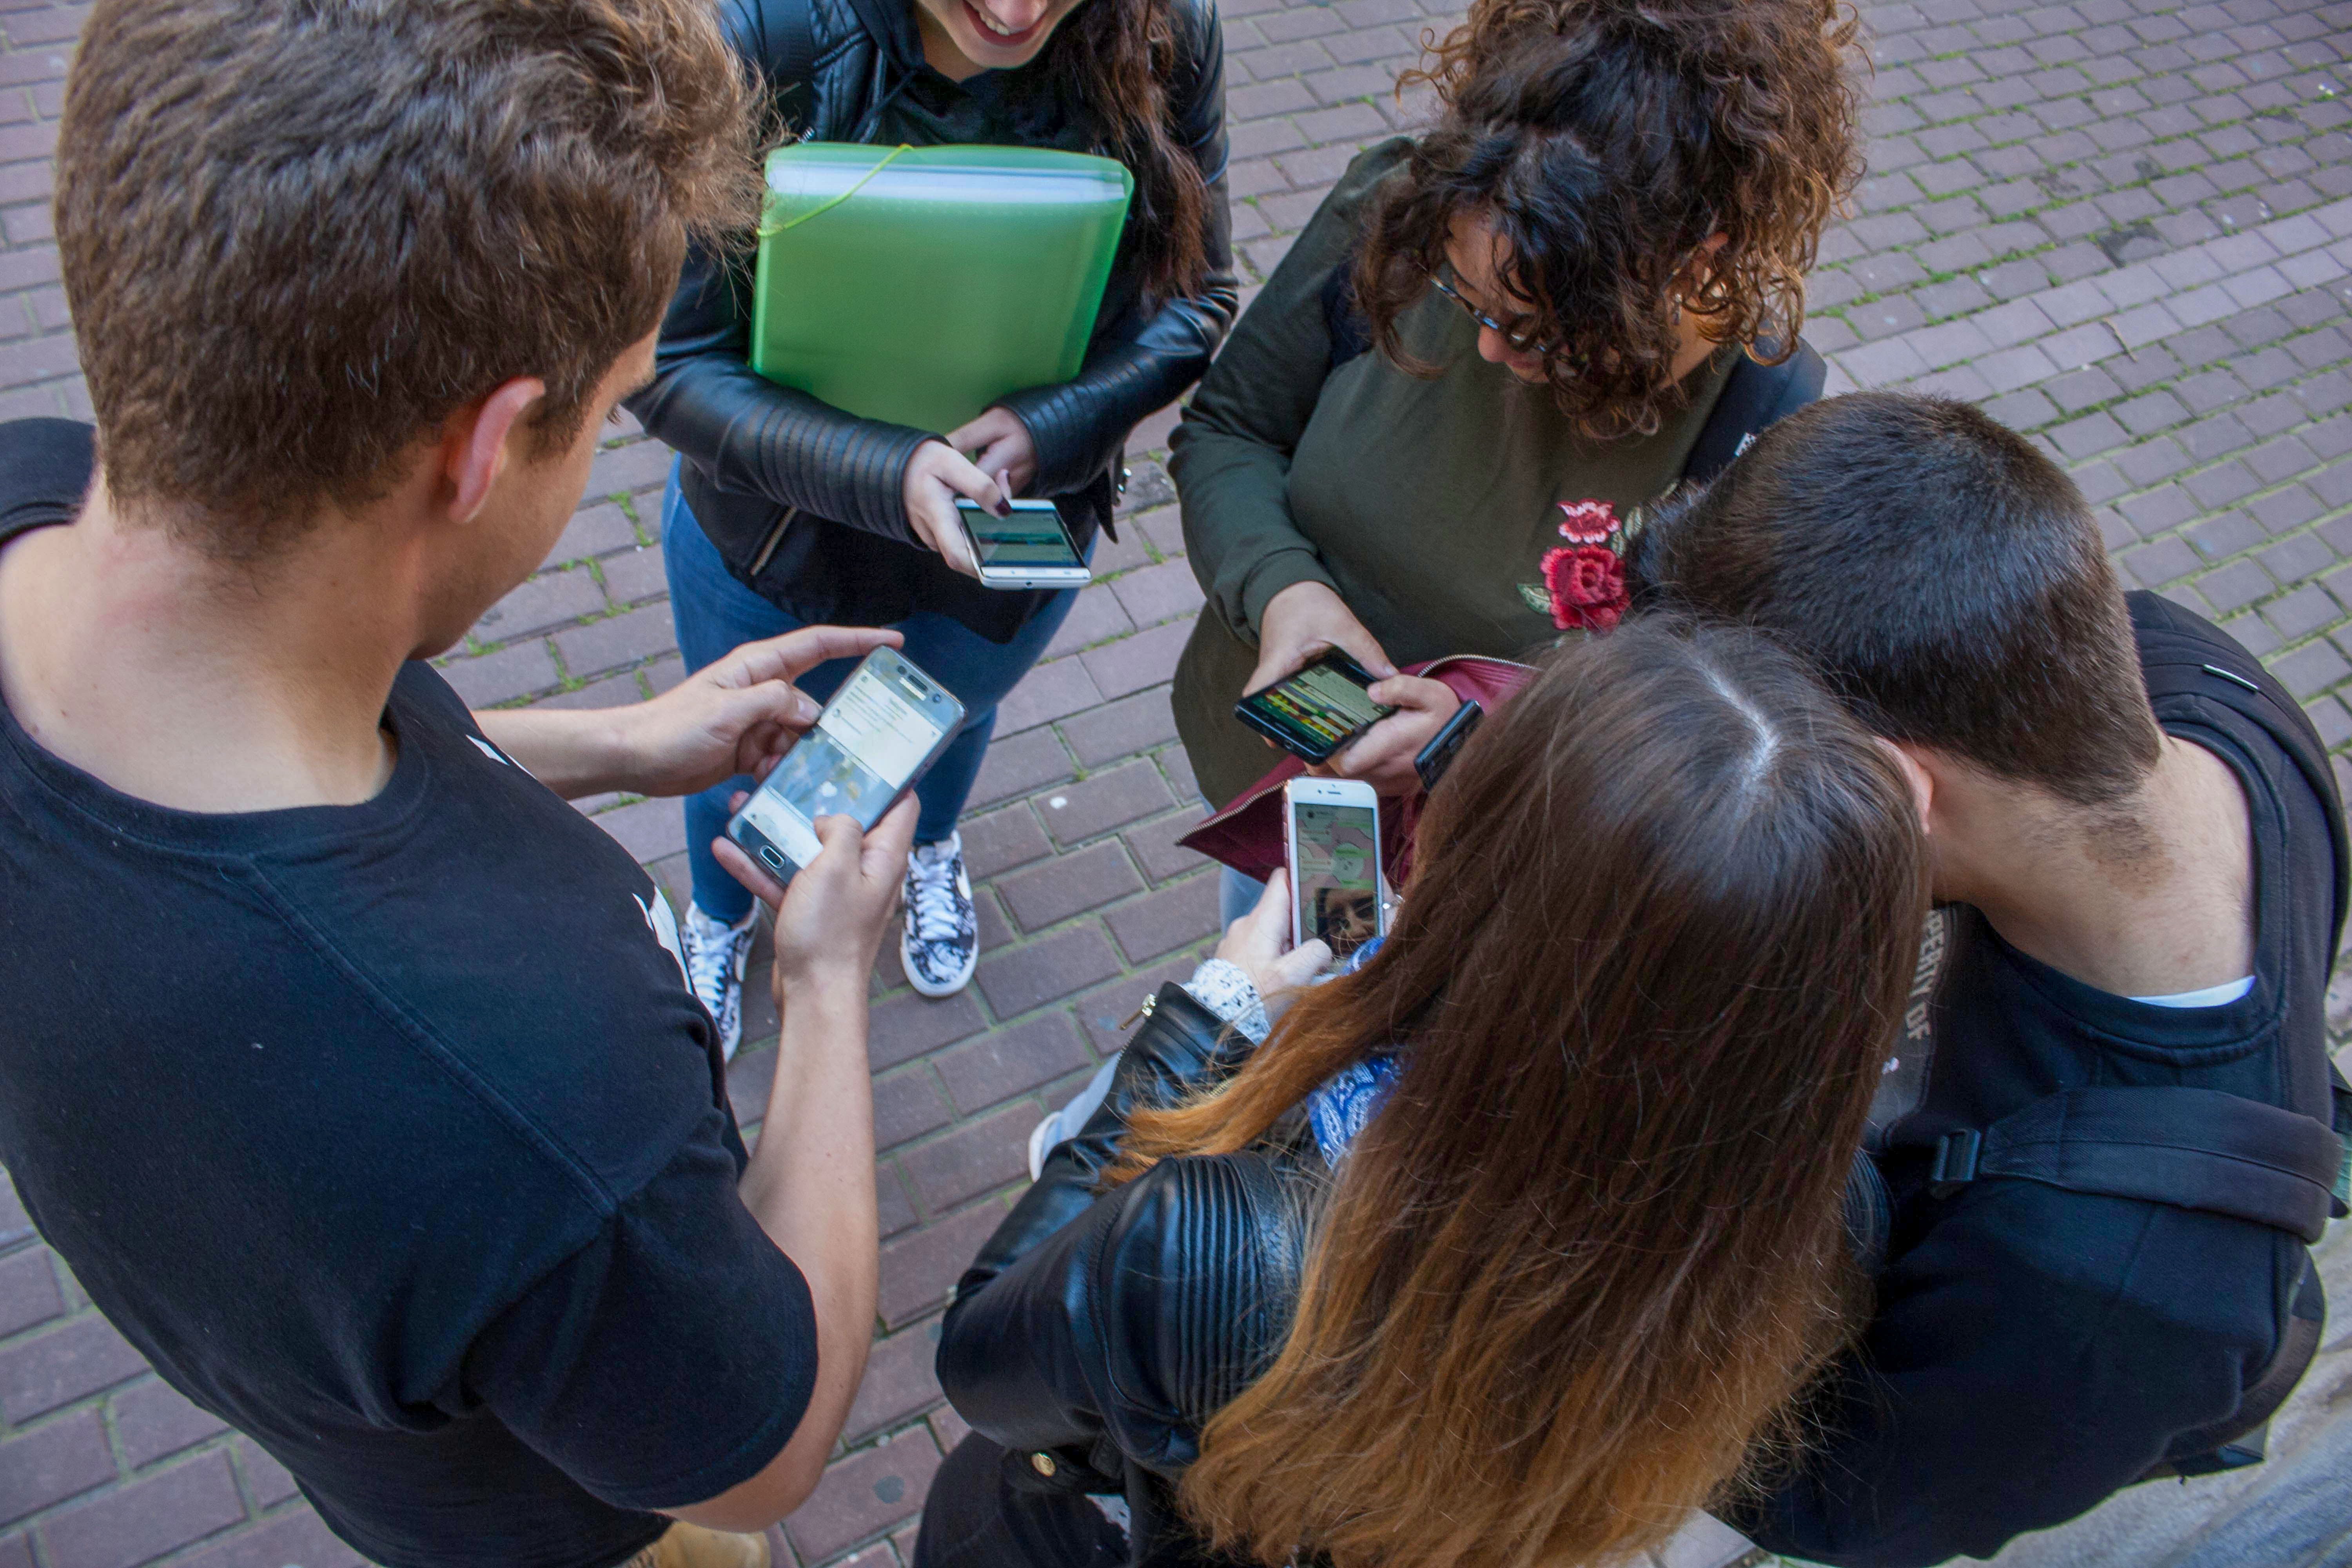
{"type": "Point", "coordinates": [905, 1027]}
{"type": "Point", "coordinates": [898, 1384]}
{"type": "Point", "coordinates": [1015, 1060]}
{"type": "Point", "coordinates": [1157, 851]}
{"type": "Point", "coordinates": [1120, 728]}
{"type": "Point", "coordinates": [906, 1106]}
{"type": "Point", "coordinates": [547, 601]}
{"type": "Point", "coordinates": [28, 1291]}
{"type": "Point", "coordinates": [1067, 884]}
{"type": "Point", "coordinates": [268, 1482]}
{"type": "Point", "coordinates": [1040, 970]}
{"type": "Point", "coordinates": [1185, 912]}
{"type": "Point", "coordinates": [1147, 659]}
{"type": "Point", "coordinates": [1018, 764]}
{"type": "Point", "coordinates": [147, 1518]}
{"type": "Point", "coordinates": [629, 638]}
{"type": "Point", "coordinates": [1108, 1013]}
{"type": "Point", "coordinates": [975, 1158]}
{"type": "Point", "coordinates": [1001, 840]}
{"type": "Point", "coordinates": [490, 678]}
{"type": "Point", "coordinates": [295, 1539]}
{"type": "Point", "coordinates": [57, 1460]}
{"type": "Point", "coordinates": [1047, 692]}
{"type": "Point", "coordinates": [152, 1420]}
{"type": "Point", "coordinates": [57, 1366]}
{"type": "Point", "coordinates": [919, 1269]}
{"type": "Point", "coordinates": [863, 1495]}
{"type": "Point", "coordinates": [1110, 799]}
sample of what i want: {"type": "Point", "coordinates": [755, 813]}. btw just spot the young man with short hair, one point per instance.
{"type": "Point", "coordinates": [2138, 894]}
{"type": "Point", "coordinates": [392, 1135]}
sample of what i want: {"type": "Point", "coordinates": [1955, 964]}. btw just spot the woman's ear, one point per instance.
{"type": "Point", "coordinates": [1915, 773]}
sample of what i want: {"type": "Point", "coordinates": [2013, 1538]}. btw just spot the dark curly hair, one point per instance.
{"type": "Point", "coordinates": [1119, 58]}
{"type": "Point", "coordinates": [1606, 141]}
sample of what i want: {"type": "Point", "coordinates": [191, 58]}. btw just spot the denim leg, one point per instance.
{"type": "Point", "coordinates": [1237, 895]}
{"type": "Point", "coordinates": [714, 615]}
{"type": "Point", "coordinates": [980, 672]}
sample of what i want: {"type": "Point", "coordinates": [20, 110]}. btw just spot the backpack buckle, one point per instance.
{"type": "Point", "coordinates": [1955, 1162]}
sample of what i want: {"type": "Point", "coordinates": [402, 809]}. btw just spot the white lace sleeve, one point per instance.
{"type": "Point", "coordinates": [1226, 990]}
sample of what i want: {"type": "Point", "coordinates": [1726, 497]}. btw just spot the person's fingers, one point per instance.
{"type": "Point", "coordinates": [1365, 649]}
{"type": "Point", "coordinates": [967, 479]}
{"type": "Point", "coordinates": [1415, 692]}
{"type": "Point", "coordinates": [891, 840]}
{"type": "Point", "coordinates": [1268, 922]}
{"type": "Point", "coordinates": [740, 866]}
{"type": "Point", "coordinates": [1004, 481]}
{"type": "Point", "coordinates": [936, 520]}
{"type": "Point", "coordinates": [769, 705]}
{"type": "Point", "coordinates": [795, 653]}
{"type": "Point", "coordinates": [1300, 964]}
{"type": "Point", "coordinates": [735, 802]}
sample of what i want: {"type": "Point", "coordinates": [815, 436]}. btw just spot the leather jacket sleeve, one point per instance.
{"type": "Point", "coordinates": [1109, 1328]}
{"type": "Point", "coordinates": [1080, 427]}
{"type": "Point", "coordinates": [752, 434]}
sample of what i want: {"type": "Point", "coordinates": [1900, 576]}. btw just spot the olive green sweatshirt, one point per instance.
{"type": "Point", "coordinates": [1426, 504]}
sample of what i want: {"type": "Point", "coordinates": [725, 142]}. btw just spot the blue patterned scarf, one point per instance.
{"type": "Point", "coordinates": [1344, 1104]}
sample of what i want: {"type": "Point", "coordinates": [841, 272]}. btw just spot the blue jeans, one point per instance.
{"type": "Point", "coordinates": [715, 615]}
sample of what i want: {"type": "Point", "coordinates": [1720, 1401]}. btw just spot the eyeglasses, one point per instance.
{"type": "Point", "coordinates": [1520, 339]}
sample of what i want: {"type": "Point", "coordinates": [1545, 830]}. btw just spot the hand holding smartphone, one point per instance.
{"type": "Point", "coordinates": [1032, 548]}
{"type": "Point", "coordinates": [887, 724]}
{"type": "Point", "coordinates": [1315, 710]}
{"type": "Point", "coordinates": [1331, 843]}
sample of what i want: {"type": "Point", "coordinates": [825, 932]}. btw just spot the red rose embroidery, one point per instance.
{"type": "Point", "coordinates": [1588, 587]}
{"type": "Point", "coordinates": [1587, 521]}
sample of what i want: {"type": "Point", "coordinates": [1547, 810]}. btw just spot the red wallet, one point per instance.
{"type": "Point", "coordinates": [1247, 834]}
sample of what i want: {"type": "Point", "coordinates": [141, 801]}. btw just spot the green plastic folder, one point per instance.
{"type": "Point", "coordinates": [919, 284]}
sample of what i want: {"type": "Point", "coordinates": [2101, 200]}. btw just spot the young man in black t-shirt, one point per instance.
{"type": "Point", "coordinates": [352, 1071]}
{"type": "Point", "coordinates": [2134, 892]}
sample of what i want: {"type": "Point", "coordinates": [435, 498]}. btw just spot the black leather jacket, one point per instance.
{"type": "Point", "coordinates": [1095, 1335]}
{"type": "Point", "coordinates": [804, 501]}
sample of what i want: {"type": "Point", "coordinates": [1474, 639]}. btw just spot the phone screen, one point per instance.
{"type": "Point", "coordinates": [1338, 874]}
{"type": "Point", "coordinates": [1024, 539]}
{"type": "Point", "coordinates": [869, 743]}
{"type": "Point", "coordinates": [1320, 704]}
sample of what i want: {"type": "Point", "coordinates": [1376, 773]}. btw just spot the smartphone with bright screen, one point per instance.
{"type": "Point", "coordinates": [1336, 856]}
{"type": "Point", "coordinates": [1029, 548]}
{"type": "Point", "coordinates": [1316, 711]}
{"type": "Point", "coordinates": [886, 723]}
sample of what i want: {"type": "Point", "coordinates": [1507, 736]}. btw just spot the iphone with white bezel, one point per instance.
{"type": "Point", "coordinates": [1331, 842]}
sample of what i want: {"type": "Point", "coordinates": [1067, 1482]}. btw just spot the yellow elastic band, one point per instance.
{"type": "Point", "coordinates": [766, 230]}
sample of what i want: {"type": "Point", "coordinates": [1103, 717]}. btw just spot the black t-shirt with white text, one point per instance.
{"type": "Point", "coordinates": [392, 1135]}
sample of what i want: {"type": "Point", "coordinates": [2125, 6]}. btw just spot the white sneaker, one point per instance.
{"type": "Point", "coordinates": [941, 940]}
{"type": "Point", "coordinates": [715, 956]}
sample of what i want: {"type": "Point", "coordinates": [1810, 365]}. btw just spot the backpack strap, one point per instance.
{"type": "Point", "coordinates": [2190, 1148]}
{"type": "Point", "coordinates": [1753, 397]}
{"type": "Point", "coordinates": [44, 472]}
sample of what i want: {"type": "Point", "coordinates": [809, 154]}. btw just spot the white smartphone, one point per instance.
{"type": "Point", "coordinates": [1030, 549]}
{"type": "Point", "coordinates": [1331, 841]}
{"type": "Point", "coordinates": [887, 724]}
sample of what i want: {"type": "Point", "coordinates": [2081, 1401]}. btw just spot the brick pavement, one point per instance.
{"type": "Point", "coordinates": [2125, 227]}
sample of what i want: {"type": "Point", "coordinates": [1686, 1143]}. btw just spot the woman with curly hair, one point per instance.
{"type": "Point", "coordinates": [1515, 1244]}
{"type": "Point", "coordinates": [1620, 200]}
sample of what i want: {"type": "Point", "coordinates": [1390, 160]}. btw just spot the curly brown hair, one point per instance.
{"type": "Point", "coordinates": [1606, 141]}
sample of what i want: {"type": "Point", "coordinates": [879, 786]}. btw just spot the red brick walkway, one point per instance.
{"type": "Point", "coordinates": [2125, 227]}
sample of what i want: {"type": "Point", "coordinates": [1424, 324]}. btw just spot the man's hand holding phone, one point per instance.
{"type": "Point", "coordinates": [830, 922]}
{"type": "Point", "coordinates": [731, 717]}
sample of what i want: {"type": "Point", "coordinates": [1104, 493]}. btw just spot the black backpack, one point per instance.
{"type": "Point", "coordinates": [2190, 1148]}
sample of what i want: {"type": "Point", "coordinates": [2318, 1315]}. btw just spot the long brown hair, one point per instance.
{"type": "Point", "coordinates": [1571, 1279]}
{"type": "Point", "coordinates": [1606, 141]}
{"type": "Point", "coordinates": [1118, 57]}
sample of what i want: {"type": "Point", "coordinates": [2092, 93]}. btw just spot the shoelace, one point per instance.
{"type": "Point", "coordinates": [933, 907]}
{"type": "Point", "coordinates": [710, 958]}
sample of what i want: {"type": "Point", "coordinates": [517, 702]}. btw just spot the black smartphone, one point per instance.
{"type": "Point", "coordinates": [1030, 549]}
{"type": "Point", "coordinates": [1432, 761]}
{"type": "Point", "coordinates": [1315, 710]}
{"type": "Point", "coordinates": [887, 724]}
